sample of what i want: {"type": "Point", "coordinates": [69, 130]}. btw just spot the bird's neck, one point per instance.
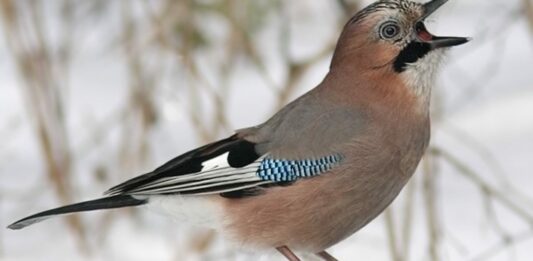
{"type": "Point", "coordinates": [380, 89]}
{"type": "Point", "coordinates": [378, 78]}
{"type": "Point", "coordinates": [421, 76]}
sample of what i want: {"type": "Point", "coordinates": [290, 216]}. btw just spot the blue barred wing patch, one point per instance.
{"type": "Point", "coordinates": [279, 170]}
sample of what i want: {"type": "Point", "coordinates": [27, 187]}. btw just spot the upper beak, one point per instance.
{"type": "Point", "coordinates": [436, 42]}
{"type": "Point", "coordinates": [431, 7]}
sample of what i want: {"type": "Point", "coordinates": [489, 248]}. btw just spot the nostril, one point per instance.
{"type": "Point", "coordinates": [419, 27]}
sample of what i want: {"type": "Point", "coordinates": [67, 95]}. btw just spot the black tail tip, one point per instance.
{"type": "Point", "coordinates": [26, 222]}
{"type": "Point", "coordinates": [118, 201]}
{"type": "Point", "coordinates": [15, 226]}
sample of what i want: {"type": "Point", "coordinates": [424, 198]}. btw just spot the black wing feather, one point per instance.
{"type": "Point", "coordinates": [240, 153]}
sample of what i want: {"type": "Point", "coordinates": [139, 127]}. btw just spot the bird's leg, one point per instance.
{"type": "Point", "coordinates": [326, 256]}
{"type": "Point", "coordinates": [284, 250]}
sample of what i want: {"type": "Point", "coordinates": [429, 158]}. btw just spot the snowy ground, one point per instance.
{"type": "Point", "coordinates": [496, 114]}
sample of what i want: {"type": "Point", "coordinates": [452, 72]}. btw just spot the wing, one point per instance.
{"type": "Point", "coordinates": [213, 168]}
{"type": "Point", "coordinates": [230, 167]}
{"type": "Point", "coordinates": [303, 140]}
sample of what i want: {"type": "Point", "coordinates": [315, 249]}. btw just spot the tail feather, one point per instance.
{"type": "Point", "coordinates": [101, 203]}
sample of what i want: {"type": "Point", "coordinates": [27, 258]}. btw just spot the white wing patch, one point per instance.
{"type": "Point", "coordinates": [217, 162]}
{"type": "Point", "coordinates": [227, 165]}
{"type": "Point", "coordinates": [215, 177]}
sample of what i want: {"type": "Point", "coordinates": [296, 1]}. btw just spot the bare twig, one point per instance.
{"type": "Point", "coordinates": [504, 244]}
{"type": "Point", "coordinates": [430, 194]}
{"type": "Point", "coordinates": [528, 8]}
{"type": "Point", "coordinates": [43, 96]}
{"type": "Point", "coordinates": [408, 219]}
{"type": "Point", "coordinates": [483, 185]}
{"type": "Point", "coordinates": [391, 235]}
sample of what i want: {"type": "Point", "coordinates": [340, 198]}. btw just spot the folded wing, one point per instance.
{"type": "Point", "coordinates": [230, 167]}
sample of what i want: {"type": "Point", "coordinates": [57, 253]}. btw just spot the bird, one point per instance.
{"type": "Point", "coordinates": [327, 163]}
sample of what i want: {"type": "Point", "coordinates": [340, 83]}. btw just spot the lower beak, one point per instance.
{"type": "Point", "coordinates": [436, 42]}
{"type": "Point", "coordinates": [447, 41]}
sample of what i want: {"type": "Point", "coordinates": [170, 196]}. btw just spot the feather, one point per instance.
{"type": "Point", "coordinates": [102, 203]}
{"type": "Point", "coordinates": [213, 160]}
{"type": "Point", "coordinates": [226, 166]}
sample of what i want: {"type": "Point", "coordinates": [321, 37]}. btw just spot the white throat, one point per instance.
{"type": "Point", "coordinates": [420, 76]}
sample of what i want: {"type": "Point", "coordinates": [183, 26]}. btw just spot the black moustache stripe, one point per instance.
{"type": "Point", "coordinates": [410, 54]}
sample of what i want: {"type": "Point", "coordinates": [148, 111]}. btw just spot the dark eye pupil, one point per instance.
{"type": "Point", "coordinates": [390, 31]}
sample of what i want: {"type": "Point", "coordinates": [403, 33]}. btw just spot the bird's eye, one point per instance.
{"type": "Point", "coordinates": [389, 30]}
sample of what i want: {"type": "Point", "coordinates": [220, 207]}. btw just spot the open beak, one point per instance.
{"type": "Point", "coordinates": [436, 42]}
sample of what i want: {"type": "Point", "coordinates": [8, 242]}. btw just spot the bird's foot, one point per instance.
{"type": "Point", "coordinates": [326, 256]}
{"type": "Point", "coordinates": [285, 251]}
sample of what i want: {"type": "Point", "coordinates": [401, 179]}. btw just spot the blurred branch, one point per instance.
{"type": "Point", "coordinates": [408, 219]}
{"type": "Point", "coordinates": [503, 244]}
{"type": "Point", "coordinates": [296, 71]}
{"type": "Point", "coordinates": [349, 7]}
{"type": "Point", "coordinates": [391, 235]}
{"type": "Point", "coordinates": [485, 187]}
{"type": "Point", "coordinates": [142, 115]}
{"type": "Point", "coordinates": [480, 149]}
{"type": "Point", "coordinates": [490, 193]}
{"type": "Point", "coordinates": [474, 85]}
{"type": "Point", "coordinates": [399, 237]}
{"type": "Point", "coordinates": [165, 23]}
{"type": "Point", "coordinates": [430, 194]}
{"type": "Point", "coordinates": [42, 90]}
{"type": "Point", "coordinates": [528, 8]}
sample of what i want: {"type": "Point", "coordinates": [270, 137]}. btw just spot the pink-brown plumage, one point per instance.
{"type": "Point", "coordinates": [314, 214]}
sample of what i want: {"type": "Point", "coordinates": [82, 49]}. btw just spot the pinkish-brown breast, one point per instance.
{"type": "Point", "coordinates": [316, 213]}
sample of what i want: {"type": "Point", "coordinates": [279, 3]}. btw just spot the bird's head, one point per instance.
{"type": "Point", "coordinates": [390, 36]}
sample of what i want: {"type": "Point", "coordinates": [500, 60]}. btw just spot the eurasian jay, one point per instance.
{"type": "Point", "coordinates": [323, 166]}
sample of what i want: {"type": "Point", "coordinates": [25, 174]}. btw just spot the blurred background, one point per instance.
{"type": "Point", "coordinates": [95, 92]}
